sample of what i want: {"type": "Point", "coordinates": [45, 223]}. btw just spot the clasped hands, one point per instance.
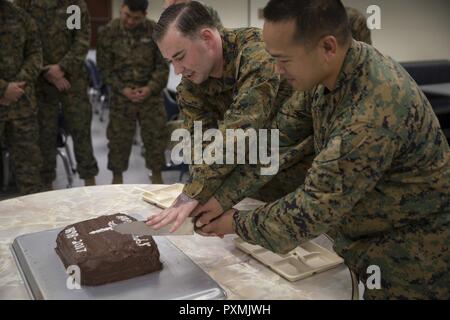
{"type": "Point", "coordinates": [56, 76]}
{"type": "Point", "coordinates": [136, 95]}
{"type": "Point", "coordinates": [52, 73]}
{"type": "Point", "coordinates": [13, 93]}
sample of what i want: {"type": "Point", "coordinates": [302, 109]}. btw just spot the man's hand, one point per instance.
{"type": "Point", "coordinates": [56, 76]}
{"type": "Point", "coordinates": [142, 93]}
{"type": "Point", "coordinates": [53, 73]}
{"type": "Point", "coordinates": [14, 91]}
{"type": "Point", "coordinates": [136, 95]}
{"type": "Point", "coordinates": [221, 226]}
{"type": "Point", "coordinates": [181, 208]}
{"type": "Point", "coordinates": [62, 84]}
{"type": "Point", "coordinates": [131, 94]}
{"type": "Point", "coordinates": [208, 211]}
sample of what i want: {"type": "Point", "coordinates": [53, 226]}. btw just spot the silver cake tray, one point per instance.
{"type": "Point", "coordinates": [45, 277]}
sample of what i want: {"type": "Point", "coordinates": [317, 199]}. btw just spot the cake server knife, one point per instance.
{"type": "Point", "coordinates": [139, 228]}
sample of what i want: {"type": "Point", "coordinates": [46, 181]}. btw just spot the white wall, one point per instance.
{"type": "Point", "coordinates": [234, 13]}
{"type": "Point", "coordinates": [256, 7]}
{"type": "Point", "coordinates": [411, 29]}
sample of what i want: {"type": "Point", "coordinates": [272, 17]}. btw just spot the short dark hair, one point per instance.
{"type": "Point", "coordinates": [314, 19]}
{"type": "Point", "coordinates": [189, 17]}
{"type": "Point", "coordinates": [136, 5]}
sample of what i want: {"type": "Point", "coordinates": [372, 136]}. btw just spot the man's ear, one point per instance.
{"type": "Point", "coordinates": [328, 46]}
{"type": "Point", "coordinates": [206, 35]}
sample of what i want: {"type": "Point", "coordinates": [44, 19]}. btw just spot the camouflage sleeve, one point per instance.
{"type": "Point", "coordinates": [160, 75]}
{"type": "Point", "coordinates": [349, 166]}
{"type": "Point", "coordinates": [246, 179]}
{"type": "Point", "coordinates": [105, 61]}
{"type": "Point", "coordinates": [294, 123]}
{"type": "Point", "coordinates": [252, 107]}
{"type": "Point", "coordinates": [3, 86]}
{"type": "Point", "coordinates": [192, 109]}
{"type": "Point", "coordinates": [74, 59]}
{"type": "Point", "coordinates": [33, 54]}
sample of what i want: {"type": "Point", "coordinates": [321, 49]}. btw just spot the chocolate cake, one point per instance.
{"type": "Point", "coordinates": [104, 255]}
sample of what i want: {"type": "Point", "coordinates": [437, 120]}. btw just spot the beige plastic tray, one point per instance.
{"type": "Point", "coordinates": [302, 262]}
{"type": "Point", "coordinates": [164, 196]}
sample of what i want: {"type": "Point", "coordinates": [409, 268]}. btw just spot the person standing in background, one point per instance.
{"type": "Point", "coordinates": [20, 64]}
{"type": "Point", "coordinates": [131, 64]}
{"type": "Point", "coordinates": [63, 80]}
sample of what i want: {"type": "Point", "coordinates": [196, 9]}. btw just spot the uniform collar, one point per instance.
{"type": "Point", "coordinates": [214, 86]}
{"type": "Point", "coordinates": [229, 57]}
{"type": "Point", "coordinates": [351, 67]}
{"type": "Point", "coordinates": [140, 28]}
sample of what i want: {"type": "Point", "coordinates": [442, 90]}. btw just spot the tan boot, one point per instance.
{"type": "Point", "coordinates": [117, 178]}
{"type": "Point", "coordinates": [156, 177]}
{"type": "Point", "coordinates": [89, 182]}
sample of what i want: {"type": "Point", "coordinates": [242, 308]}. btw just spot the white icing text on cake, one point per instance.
{"type": "Point", "coordinates": [72, 233]}
{"type": "Point", "coordinates": [124, 219]}
{"type": "Point", "coordinates": [141, 242]}
{"type": "Point", "coordinates": [111, 224]}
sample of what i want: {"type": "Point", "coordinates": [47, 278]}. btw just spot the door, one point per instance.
{"type": "Point", "coordinates": [101, 13]}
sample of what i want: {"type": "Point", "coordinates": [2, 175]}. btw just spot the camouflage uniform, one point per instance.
{"type": "Point", "coordinates": [130, 58]}
{"type": "Point", "coordinates": [296, 155]}
{"type": "Point", "coordinates": [68, 49]}
{"type": "Point", "coordinates": [247, 96]}
{"type": "Point", "coordinates": [292, 173]}
{"type": "Point", "coordinates": [20, 60]}
{"type": "Point", "coordinates": [380, 182]}
{"type": "Point", "coordinates": [358, 25]}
